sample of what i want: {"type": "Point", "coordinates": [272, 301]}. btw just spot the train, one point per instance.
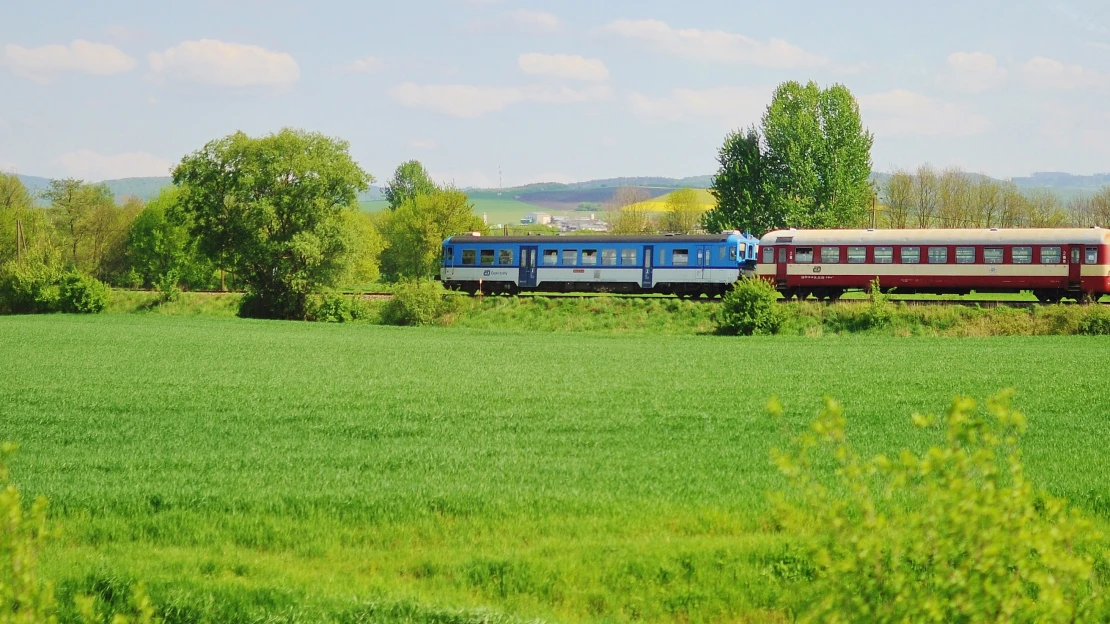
{"type": "Point", "coordinates": [1054, 264]}
{"type": "Point", "coordinates": [686, 265]}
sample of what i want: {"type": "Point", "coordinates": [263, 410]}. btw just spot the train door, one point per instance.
{"type": "Point", "coordinates": [527, 277]}
{"type": "Point", "coordinates": [705, 254]}
{"type": "Point", "coordinates": [646, 280]}
{"type": "Point", "coordinates": [780, 266]}
{"type": "Point", "coordinates": [1075, 269]}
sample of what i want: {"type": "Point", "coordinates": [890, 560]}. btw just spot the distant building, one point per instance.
{"type": "Point", "coordinates": [536, 218]}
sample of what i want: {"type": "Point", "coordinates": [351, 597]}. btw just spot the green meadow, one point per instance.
{"type": "Point", "coordinates": [253, 471]}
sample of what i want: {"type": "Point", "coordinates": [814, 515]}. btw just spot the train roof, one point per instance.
{"type": "Point", "coordinates": [541, 239]}
{"type": "Point", "coordinates": [1028, 236]}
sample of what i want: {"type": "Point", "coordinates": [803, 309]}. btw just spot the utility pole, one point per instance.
{"type": "Point", "coordinates": [20, 243]}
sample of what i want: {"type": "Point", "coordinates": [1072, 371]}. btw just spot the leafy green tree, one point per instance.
{"type": "Point", "coordinates": [160, 250]}
{"type": "Point", "coordinates": [271, 210]}
{"type": "Point", "coordinates": [818, 157]}
{"type": "Point", "coordinates": [82, 215]}
{"type": "Point", "coordinates": [16, 204]}
{"type": "Point", "coordinates": [683, 212]}
{"type": "Point", "coordinates": [740, 187]}
{"type": "Point", "coordinates": [415, 232]}
{"type": "Point", "coordinates": [409, 180]}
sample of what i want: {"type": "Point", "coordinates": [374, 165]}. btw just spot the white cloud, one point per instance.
{"type": "Point", "coordinates": [43, 63]}
{"type": "Point", "coordinates": [971, 72]}
{"type": "Point", "coordinates": [735, 106]}
{"type": "Point", "coordinates": [714, 45]}
{"type": "Point", "coordinates": [902, 113]}
{"type": "Point", "coordinates": [90, 165]}
{"type": "Point", "coordinates": [220, 64]}
{"type": "Point", "coordinates": [536, 21]}
{"type": "Point", "coordinates": [368, 65]}
{"type": "Point", "coordinates": [472, 101]}
{"type": "Point", "coordinates": [1046, 73]}
{"type": "Point", "coordinates": [563, 66]}
{"type": "Point", "coordinates": [423, 144]}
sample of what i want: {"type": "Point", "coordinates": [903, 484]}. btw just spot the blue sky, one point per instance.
{"type": "Point", "coordinates": [547, 91]}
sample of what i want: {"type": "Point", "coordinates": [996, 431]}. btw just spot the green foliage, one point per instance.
{"type": "Point", "coordinates": [337, 308]}
{"type": "Point", "coordinates": [415, 302]}
{"type": "Point", "coordinates": [160, 250]}
{"type": "Point", "coordinates": [25, 596]}
{"type": "Point", "coordinates": [740, 187]}
{"type": "Point", "coordinates": [953, 534]}
{"type": "Point", "coordinates": [82, 294]}
{"type": "Point", "coordinates": [409, 180]}
{"type": "Point", "coordinates": [1095, 323]}
{"type": "Point", "coordinates": [31, 286]}
{"type": "Point", "coordinates": [751, 308]}
{"type": "Point", "coordinates": [415, 231]}
{"type": "Point", "coordinates": [683, 212]}
{"type": "Point", "coordinates": [271, 210]}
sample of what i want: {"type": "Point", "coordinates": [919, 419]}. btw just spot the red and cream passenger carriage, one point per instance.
{"type": "Point", "coordinates": [1052, 263]}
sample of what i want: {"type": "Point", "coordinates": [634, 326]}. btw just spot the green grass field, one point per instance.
{"type": "Point", "coordinates": [292, 472]}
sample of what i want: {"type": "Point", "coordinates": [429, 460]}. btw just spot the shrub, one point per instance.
{"type": "Point", "coordinates": [336, 308]}
{"type": "Point", "coordinates": [415, 302]}
{"type": "Point", "coordinates": [751, 308]}
{"type": "Point", "coordinates": [1096, 322]}
{"type": "Point", "coordinates": [880, 312]}
{"type": "Point", "coordinates": [167, 286]}
{"type": "Point", "coordinates": [29, 288]}
{"type": "Point", "coordinates": [954, 534]}
{"type": "Point", "coordinates": [82, 294]}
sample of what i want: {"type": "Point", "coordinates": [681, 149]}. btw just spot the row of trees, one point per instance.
{"type": "Point", "coordinates": [953, 198]}
{"type": "Point", "coordinates": [277, 216]}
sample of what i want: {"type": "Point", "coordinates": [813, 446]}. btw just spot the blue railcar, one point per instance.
{"type": "Point", "coordinates": [684, 265]}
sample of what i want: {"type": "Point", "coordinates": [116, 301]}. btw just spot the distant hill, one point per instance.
{"type": "Point", "coordinates": [147, 188]}
{"type": "Point", "coordinates": [1052, 180]}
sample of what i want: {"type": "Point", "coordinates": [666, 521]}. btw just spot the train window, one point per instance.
{"type": "Point", "coordinates": [680, 257]}
{"type": "Point", "coordinates": [1022, 255]}
{"type": "Point", "coordinates": [550, 257]}
{"type": "Point", "coordinates": [1092, 256]}
{"type": "Point", "coordinates": [768, 255]}
{"type": "Point", "coordinates": [803, 255]}
{"type": "Point", "coordinates": [830, 255]}
{"type": "Point", "coordinates": [722, 253]}
{"type": "Point", "coordinates": [589, 256]}
{"type": "Point", "coordinates": [742, 250]}
{"type": "Point", "coordinates": [732, 253]}
{"type": "Point", "coordinates": [910, 255]}
{"type": "Point", "coordinates": [1050, 255]}
{"type": "Point", "coordinates": [570, 257]}
{"type": "Point", "coordinates": [628, 257]}
{"type": "Point", "coordinates": [752, 251]}
{"type": "Point", "coordinates": [448, 256]}
{"type": "Point", "coordinates": [884, 255]}
{"type": "Point", "coordinates": [487, 257]}
{"type": "Point", "coordinates": [505, 257]}
{"type": "Point", "coordinates": [609, 257]}
{"type": "Point", "coordinates": [470, 256]}
{"type": "Point", "coordinates": [857, 255]}
{"type": "Point", "coordinates": [992, 255]}
{"type": "Point", "coordinates": [938, 255]}
{"type": "Point", "coordinates": [965, 255]}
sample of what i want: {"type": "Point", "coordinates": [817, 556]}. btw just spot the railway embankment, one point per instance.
{"type": "Point", "coordinates": [662, 315]}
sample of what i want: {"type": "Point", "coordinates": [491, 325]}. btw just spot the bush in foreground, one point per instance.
{"type": "Point", "coordinates": [25, 596]}
{"type": "Point", "coordinates": [751, 308]}
{"type": "Point", "coordinates": [954, 534]}
{"type": "Point", "coordinates": [415, 302]}
{"type": "Point", "coordinates": [81, 294]}
{"type": "Point", "coordinates": [337, 308]}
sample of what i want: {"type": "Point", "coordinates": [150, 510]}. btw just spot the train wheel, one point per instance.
{"type": "Point", "coordinates": [835, 294]}
{"type": "Point", "coordinates": [1083, 298]}
{"type": "Point", "coordinates": [1047, 296]}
